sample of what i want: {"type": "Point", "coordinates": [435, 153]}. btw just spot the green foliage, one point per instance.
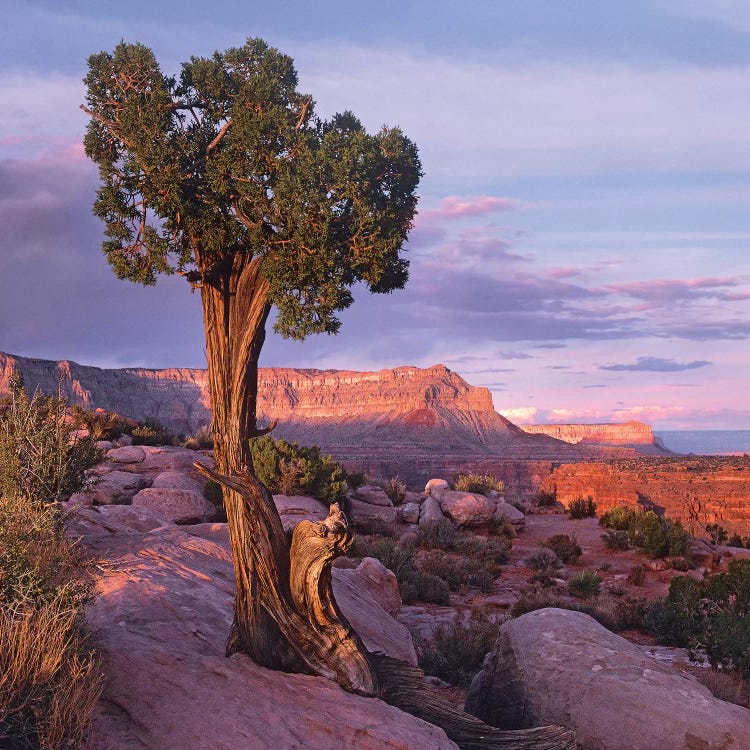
{"type": "Point", "coordinates": [227, 163]}
{"type": "Point", "coordinates": [655, 535]}
{"type": "Point", "coordinates": [544, 561]}
{"type": "Point", "coordinates": [585, 585]}
{"type": "Point", "coordinates": [717, 533]}
{"type": "Point", "coordinates": [482, 484]}
{"type": "Point", "coordinates": [545, 498]}
{"type": "Point", "coordinates": [565, 546]}
{"type": "Point", "coordinates": [39, 457]}
{"type": "Point", "coordinates": [289, 469]}
{"type": "Point", "coordinates": [395, 489]}
{"type": "Point", "coordinates": [213, 493]}
{"type": "Point", "coordinates": [202, 440]}
{"type": "Point", "coordinates": [455, 653]}
{"type": "Point", "coordinates": [101, 424]}
{"type": "Point", "coordinates": [152, 432]}
{"type": "Point", "coordinates": [712, 615]}
{"type": "Point", "coordinates": [355, 479]}
{"type": "Point", "coordinates": [580, 508]}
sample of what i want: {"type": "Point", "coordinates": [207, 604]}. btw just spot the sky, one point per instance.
{"type": "Point", "coordinates": [581, 247]}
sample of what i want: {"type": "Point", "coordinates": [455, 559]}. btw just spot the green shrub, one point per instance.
{"type": "Point", "coordinates": [544, 561]}
{"type": "Point", "coordinates": [580, 508]}
{"type": "Point", "coordinates": [39, 457]}
{"type": "Point", "coordinates": [418, 586]}
{"type": "Point", "coordinates": [101, 424]}
{"type": "Point", "coordinates": [717, 534]}
{"type": "Point", "coordinates": [289, 469]}
{"type": "Point", "coordinates": [565, 546]}
{"type": "Point", "coordinates": [355, 479]}
{"type": "Point", "coordinates": [455, 653]}
{"type": "Point", "coordinates": [482, 484]}
{"type": "Point", "coordinates": [546, 498]}
{"type": "Point", "coordinates": [202, 440]}
{"type": "Point", "coordinates": [712, 615]}
{"type": "Point", "coordinates": [442, 534]}
{"type": "Point", "coordinates": [396, 490]}
{"type": "Point", "coordinates": [585, 585]}
{"type": "Point", "coordinates": [152, 432]}
{"type": "Point", "coordinates": [655, 535]}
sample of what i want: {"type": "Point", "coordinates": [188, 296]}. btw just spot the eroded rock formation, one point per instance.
{"type": "Point", "coordinates": [632, 434]}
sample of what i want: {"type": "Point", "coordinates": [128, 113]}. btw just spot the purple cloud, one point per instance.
{"type": "Point", "coordinates": [656, 364]}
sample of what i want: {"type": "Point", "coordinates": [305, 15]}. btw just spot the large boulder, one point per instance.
{"type": "Point", "coordinates": [409, 513]}
{"type": "Point", "coordinates": [372, 519]}
{"type": "Point", "coordinates": [369, 493]}
{"type": "Point", "coordinates": [369, 598]}
{"type": "Point", "coordinates": [179, 506]}
{"type": "Point", "coordinates": [430, 511]}
{"type": "Point", "coordinates": [162, 613]}
{"type": "Point", "coordinates": [560, 667]}
{"type": "Point", "coordinates": [466, 508]}
{"type": "Point", "coordinates": [435, 484]}
{"type": "Point", "coordinates": [505, 512]}
{"type": "Point", "coordinates": [177, 480]}
{"type": "Point", "coordinates": [113, 488]}
{"type": "Point", "coordinates": [109, 519]}
{"type": "Point", "coordinates": [128, 454]}
{"type": "Point", "coordinates": [296, 508]}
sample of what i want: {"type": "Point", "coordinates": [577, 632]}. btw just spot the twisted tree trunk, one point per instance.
{"type": "Point", "coordinates": [285, 614]}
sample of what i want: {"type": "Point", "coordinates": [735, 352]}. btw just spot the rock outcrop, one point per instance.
{"type": "Point", "coordinates": [632, 434]}
{"type": "Point", "coordinates": [561, 667]}
{"type": "Point", "coordinates": [162, 612]}
{"type": "Point", "coordinates": [695, 490]}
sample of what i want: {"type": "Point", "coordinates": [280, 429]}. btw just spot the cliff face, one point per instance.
{"type": "Point", "coordinates": [627, 434]}
{"type": "Point", "coordinates": [695, 490]}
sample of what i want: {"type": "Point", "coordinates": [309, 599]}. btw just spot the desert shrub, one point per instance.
{"type": "Point", "coordinates": [355, 479]}
{"type": "Point", "coordinates": [717, 533]}
{"type": "Point", "coordinates": [585, 585]}
{"type": "Point", "coordinates": [723, 685]}
{"type": "Point", "coordinates": [152, 432]}
{"type": "Point", "coordinates": [424, 587]}
{"type": "Point", "coordinates": [544, 560]}
{"type": "Point", "coordinates": [39, 457]}
{"type": "Point", "coordinates": [580, 508]}
{"type": "Point", "coordinates": [565, 546]}
{"type": "Point", "coordinates": [49, 676]}
{"type": "Point", "coordinates": [712, 615]}
{"type": "Point", "coordinates": [617, 540]}
{"type": "Point", "coordinates": [637, 575]}
{"type": "Point", "coordinates": [482, 484]}
{"type": "Point", "coordinates": [442, 534]}
{"type": "Point", "coordinates": [202, 440]}
{"type": "Point", "coordinates": [455, 653]}
{"type": "Point", "coordinates": [735, 540]}
{"type": "Point", "coordinates": [396, 490]}
{"type": "Point", "coordinates": [655, 535]}
{"type": "Point", "coordinates": [101, 424]}
{"type": "Point", "coordinates": [546, 498]}
{"type": "Point", "coordinates": [291, 469]}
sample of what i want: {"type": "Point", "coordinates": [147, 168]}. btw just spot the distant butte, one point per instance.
{"type": "Point", "coordinates": [410, 421]}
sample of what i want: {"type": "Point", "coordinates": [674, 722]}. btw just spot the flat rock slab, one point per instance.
{"type": "Point", "coordinates": [162, 613]}
{"type": "Point", "coordinates": [296, 508]}
{"type": "Point", "coordinates": [178, 506]}
{"type": "Point", "coordinates": [560, 667]}
{"type": "Point", "coordinates": [128, 454]}
{"type": "Point", "coordinates": [114, 487]}
{"type": "Point", "coordinates": [110, 519]}
{"type": "Point", "coordinates": [373, 495]}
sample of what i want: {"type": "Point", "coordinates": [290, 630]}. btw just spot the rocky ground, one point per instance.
{"type": "Point", "coordinates": [165, 585]}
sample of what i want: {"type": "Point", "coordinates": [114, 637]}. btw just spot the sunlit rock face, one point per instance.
{"type": "Point", "coordinates": [633, 434]}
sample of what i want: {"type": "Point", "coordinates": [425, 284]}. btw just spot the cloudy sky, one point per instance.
{"type": "Point", "coordinates": [582, 242]}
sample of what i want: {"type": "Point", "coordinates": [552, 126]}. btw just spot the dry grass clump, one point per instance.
{"type": "Point", "coordinates": [50, 678]}
{"type": "Point", "coordinates": [723, 685]}
{"type": "Point", "coordinates": [482, 484]}
{"type": "Point", "coordinates": [396, 490]}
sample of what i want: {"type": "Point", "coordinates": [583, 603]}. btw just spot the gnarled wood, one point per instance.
{"type": "Point", "coordinates": [293, 586]}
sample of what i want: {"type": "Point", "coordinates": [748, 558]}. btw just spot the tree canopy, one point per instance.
{"type": "Point", "coordinates": [228, 163]}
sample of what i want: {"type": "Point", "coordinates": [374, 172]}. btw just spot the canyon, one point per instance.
{"type": "Point", "coordinates": [406, 421]}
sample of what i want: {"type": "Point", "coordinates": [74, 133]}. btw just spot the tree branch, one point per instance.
{"type": "Point", "coordinates": [216, 141]}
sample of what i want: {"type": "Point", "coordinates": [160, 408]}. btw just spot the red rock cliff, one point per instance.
{"type": "Point", "coordinates": [630, 434]}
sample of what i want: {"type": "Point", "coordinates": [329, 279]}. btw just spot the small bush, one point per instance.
{"type": "Point", "coordinates": [546, 499]}
{"type": "Point", "coordinates": [101, 424]}
{"type": "Point", "coordinates": [39, 457]}
{"type": "Point", "coordinates": [152, 432]}
{"type": "Point", "coordinates": [544, 561]}
{"type": "Point", "coordinates": [455, 653]}
{"type": "Point", "coordinates": [717, 534]}
{"type": "Point", "coordinates": [202, 440]}
{"type": "Point", "coordinates": [637, 575]}
{"type": "Point", "coordinates": [655, 535]}
{"type": "Point", "coordinates": [442, 534]}
{"type": "Point", "coordinates": [565, 546]}
{"type": "Point", "coordinates": [424, 587]}
{"type": "Point", "coordinates": [723, 685]}
{"type": "Point", "coordinates": [580, 508]}
{"type": "Point", "coordinates": [482, 484]}
{"type": "Point", "coordinates": [396, 490]}
{"type": "Point", "coordinates": [616, 540]}
{"type": "Point", "coordinates": [290, 469]}
{"type": "Point", "coordinates": [585, 585]}
{"type": "Point", "coordinates": [355, 479]}
{"type": "Point", "coordinates": [619, 518]}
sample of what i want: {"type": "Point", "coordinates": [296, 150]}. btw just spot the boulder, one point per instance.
{"type": "Point", "coordinates": [372, 519]}
{"type": "Point", "coordinates": [179, 506]}
{"type": "Point", "coordinates": [123, 440]}
{"type": "Point", "coordinates": [408, 513]}
{"type": "Point", "coordinates": [466, 508]}
{"type": "Point", "coordinates": [369, 598]}
{"type": "Point", "coordinates": [109, 519]}
{"type": "Point", "coordinates": [414, 497]}
{"type": "Point", "coordinates": [162, 612]}
{"type": "Point", "coordinates": [176, 480]}
{"type": "Point", "coordinates": [296, 508]}
{"type": "Point", "coordinates": [505, 512]}
{"type": "Point", "coordinates": [435, 484]}
{"type": "Point", "coordinates": [104, 445]}
{"type": "Point", "coordinates": [561, 667]}
{"type": "Point", "coordinates": [369, 493]}
{"type": "Point", "coordinates": [113, 488]}
{"type": "Point", "coordinates": [160, 459]}
{"type": "Point", "coordinates": [430, 511]}
{"type": "Point", "coordinates": [128, 454]}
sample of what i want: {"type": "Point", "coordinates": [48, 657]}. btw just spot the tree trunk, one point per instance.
{"type": "Point", "coordinates": [285, 614]}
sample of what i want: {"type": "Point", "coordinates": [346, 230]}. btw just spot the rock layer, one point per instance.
{"type": "Point", "coordinates": [632, 434]}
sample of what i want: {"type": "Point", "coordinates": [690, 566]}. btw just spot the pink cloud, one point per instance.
{"type": "Point", "coordinates": [669, 290]}
{"type": "Point", "coordinates": [459, 207]}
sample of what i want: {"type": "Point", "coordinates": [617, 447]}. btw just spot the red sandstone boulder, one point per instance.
{"type": "Point", "coordinates": [372, 519]}
{"type": "Point", "coordinates": [371, 494]}
{"type": "Point", "coordinates": [435, 484]}
{"type": "Point", "coordinates": [465, 508]}
{"type": "Point", "coordinates": [179, 506]}
{"type": "Point", "coordinates": [114, 487]}
{"type": "Point", "coordinates": [560, 667]}
{"type": "Point", "coordinates": [296, 508]}
{"type": "Point", "coordinates": [128, 454]}
{"type": "Point", "coordinates": [176, 480]}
